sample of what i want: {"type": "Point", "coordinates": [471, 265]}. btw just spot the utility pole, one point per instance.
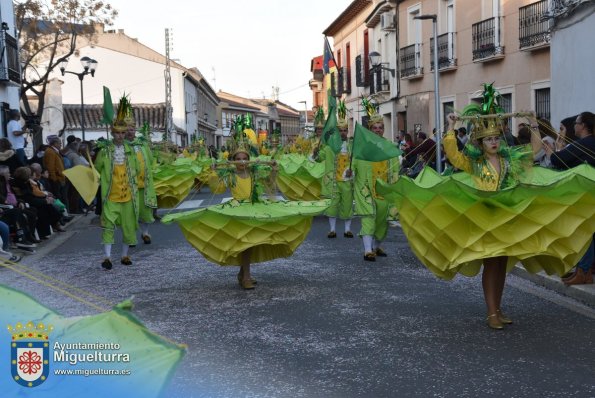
{"type": "Point", "coordinates": [169, 122]}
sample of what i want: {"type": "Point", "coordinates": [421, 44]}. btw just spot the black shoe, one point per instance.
{"type": "Point", "coordinates": [106, 264]}
{"type": "Point", "coordinates": [370, 256]}
{"type": "Point", "coordinates": [348, 234]}
{"type": "Point", "coordinates": [380, 253]}
{"type": "Point", "coordinates": [146, 239]}
{"type": "Point", "coordinates": [132, 246]}
{"type": "Point", "coordinates": [332, 235]}
{"type": "Point", "coordinates": [126, 260]}
{"type": "Point", "coordinates": [67, 219]}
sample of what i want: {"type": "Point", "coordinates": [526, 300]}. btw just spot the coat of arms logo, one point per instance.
{"type": "Point", "coordinates": [29, 354]}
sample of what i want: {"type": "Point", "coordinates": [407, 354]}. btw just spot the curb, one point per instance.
{"type": "Point", "coordinates": [583, 293]}
{"type": "Point", "coordinates": [57, 238]}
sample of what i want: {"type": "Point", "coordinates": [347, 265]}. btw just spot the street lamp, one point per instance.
{"type": "Point", "coordinates": [375, 59]}
{"type": "Point", "coordinates": [89, 68]}
{"type": "Point", "coordinates": [305, 111]}
{"type": "Point", "coordinates": [434, 19]}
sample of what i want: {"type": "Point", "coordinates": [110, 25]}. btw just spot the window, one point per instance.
{"type": "Point", "coordinates": [542, 103]}
{"type": "Point", "coordinates": [447, 107]}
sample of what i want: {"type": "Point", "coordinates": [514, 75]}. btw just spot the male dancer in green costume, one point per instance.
{"type": "Point", "coordinates": [147, 198]}
{"type": "Point", "coordinates": [117, 167]}
{"type": "Point", "coordinates": [373, 208]}
{"type": "Point", "coordinates": [335, 183]}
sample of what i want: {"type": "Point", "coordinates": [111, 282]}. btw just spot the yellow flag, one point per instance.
{"type": "Point", "coordinates": [85, 180]}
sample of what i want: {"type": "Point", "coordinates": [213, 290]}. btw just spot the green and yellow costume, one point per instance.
{"type": "Point", "coordinates": [542, 218]}
{"type": "Point", "coordinates": [147, 199]}
{"type": "Point", "coordinates": [117, 166]}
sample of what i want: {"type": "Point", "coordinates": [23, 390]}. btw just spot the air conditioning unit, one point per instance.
{"type": "Point", "coordinates": [387, 21]}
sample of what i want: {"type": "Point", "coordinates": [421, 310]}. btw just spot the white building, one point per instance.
{"type": "Point", "coordinates": [126, 66]}
{"type": "Point", "coordinates": [572, 58]}
{"type": "Point", "coordinates": [10, 70]}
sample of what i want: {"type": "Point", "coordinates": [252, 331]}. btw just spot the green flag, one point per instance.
{"type": "Point", "coordinates": [368, 146]}
{"type": "Point", "coordinates": [108, 107]}
{"type": "Point", "coordinates": [330, 132]}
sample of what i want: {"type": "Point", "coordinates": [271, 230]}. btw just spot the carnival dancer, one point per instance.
{"type": "Point", "coordinates": [496, 213]}
{"type": "Point", "coordinates": [373, 208]}
{"type": "Point", "coordinates": [335, 183]}
{"type": "Point", "coordinates": [147, 199]}
{"type": "Point", "coordinates": [117, 167]}
{"type": "Point", "coordinates": [249, 228]}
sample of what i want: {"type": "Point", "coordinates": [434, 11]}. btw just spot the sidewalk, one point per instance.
{"type": "Point", "coordinates": [57, 239]}
{"type": "Point", "coordinates": [583, 293]}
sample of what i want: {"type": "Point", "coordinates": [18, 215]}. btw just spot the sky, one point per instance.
{"type": "Point", "coordinates": [244, 47]}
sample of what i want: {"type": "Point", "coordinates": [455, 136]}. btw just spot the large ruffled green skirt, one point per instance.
{"type": "Point", "coordinates": [270, 229]}
{"type": "Point", "coordinates": [546, 222]}
{"type": "Point", "coordinates": [299, 178]}
{"type": "Point", "coordinates": [174, 181]}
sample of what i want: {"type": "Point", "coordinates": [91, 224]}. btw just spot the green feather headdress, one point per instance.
{"type": "Point", "coordinates": [371, 110]}
{"type": "Point", "coordinates": [342, 115]}
{"type": "Point", "coordinates": [490, 105]}
{"type": "Point", "coordinates": [319, 117]}
{"type": "Point", "coordinates": [124, 115]}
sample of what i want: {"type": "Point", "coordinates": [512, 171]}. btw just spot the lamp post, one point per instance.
{"type": "Point", "coordinates": [434, 19]}
{"type": "Point", "coordinates": [89, 68]}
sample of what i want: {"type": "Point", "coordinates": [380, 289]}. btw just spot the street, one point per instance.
{"type": "Point", "coordinates": [324, 323]}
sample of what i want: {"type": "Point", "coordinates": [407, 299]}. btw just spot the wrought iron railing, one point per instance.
{"type": "Point", "coordinates": [534, 24]}
{"type": "Point", "coordinates": [379, 79]}
{"type": "Point", "coordinates": [487, 38]}
{"type": "Point", "coordinates": [446, 51]}
{"type": "Point", "coordinates": [411, 60]}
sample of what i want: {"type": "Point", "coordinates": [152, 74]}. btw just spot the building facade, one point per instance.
{"type": "Point", "coordinates": [388, 53]}
{"type": "Point", "coordinates": [10, 68]}
{"type": "Point", "coordinates": [573, 74]}
{"type": "Point", "coordinates": [127, 66]}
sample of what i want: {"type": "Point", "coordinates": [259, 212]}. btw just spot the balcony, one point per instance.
{"type": "Point", "coordinates": [344, 80]}
{"type": "Point", "coordinates": [380, 79]}
{"type": "Point", "coordinates": [487, 40]}
{"type": "Point", "coordinates": [411, 62]}
{"type": "Point", "coordinates": [446, 51]}
{"type": "Point", "coordinates": [9, 64]}
{"type": "Point", "coordinates": [534, 26]}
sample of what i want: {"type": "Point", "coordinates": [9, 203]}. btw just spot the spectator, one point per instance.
{"type": "Point", "coordinates": [8, 156]}
{"type": "Point", "coordinates": [578, 152]}
{"type": "Point", "coordinates": [16, 135]}
{"type": "Point", "coordinates": [541, 158]}
{"type": "Point", "coordinates": [583, 149]}
{"type": "Point", "coordinates": [5, 234]}
{"type": "Point", "coordinates": [21, 220]}
{"type": "Point", "coordinates": [53, 162]}
{"type": "Point", "coordinates": [47, 214]}
{"type": "Point", "coordinates": [38, 155]}
{"type": "Point", "coordinates": [462, 138]}
{"type": "Point", "coordinates": [567, 135]}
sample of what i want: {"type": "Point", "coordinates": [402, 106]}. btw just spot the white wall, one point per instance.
{"type": "Point", "coordinates": [141, 79]}
{"type": "Point", "coordinates": [572, 66]}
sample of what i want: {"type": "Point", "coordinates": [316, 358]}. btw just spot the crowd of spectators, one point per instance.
{"type": "Point", "coordinates": [36, 200]}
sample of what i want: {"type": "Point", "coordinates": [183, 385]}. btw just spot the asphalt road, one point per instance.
{"type": "Point", "coordinates": [324, 323]}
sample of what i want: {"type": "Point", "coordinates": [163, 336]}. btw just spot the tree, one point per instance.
{"type": "Point", "coordinates": [47, 32]}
